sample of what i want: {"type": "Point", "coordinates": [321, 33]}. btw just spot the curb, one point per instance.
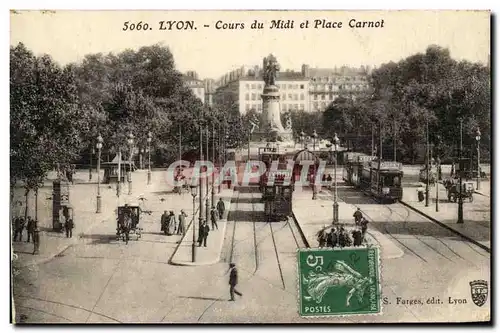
{"type": "Point", "coordinates": [172, 262]}
{"type": "Point", "coordinates": [481, 193]}
{"type": "Point", "coordinates": [484, 247]}
{"type": "Point", "coordinates": [204, 263]}
{"type": "Point", "coordinates": [301, 232]}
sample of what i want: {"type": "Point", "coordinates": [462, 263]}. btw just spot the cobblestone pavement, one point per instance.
{"type": "Point", "coordinates": [100, 279]}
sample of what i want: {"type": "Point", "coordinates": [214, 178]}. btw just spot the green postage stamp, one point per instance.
{"type": "Point", "coordinates": [339, 282]}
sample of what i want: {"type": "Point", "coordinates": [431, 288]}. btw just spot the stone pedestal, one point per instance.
{"type": "Point", "coordinates": [271, 128]}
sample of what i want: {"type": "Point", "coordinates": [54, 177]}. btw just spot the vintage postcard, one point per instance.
{"type": "Point", "coordinates": [250, 167]}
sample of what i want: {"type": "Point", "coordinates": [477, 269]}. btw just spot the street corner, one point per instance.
{"type": "Point", "coordinates": [336, 282]}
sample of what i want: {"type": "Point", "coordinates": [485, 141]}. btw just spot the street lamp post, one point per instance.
{"type": "Point", "coordinates": [303, 138]}
{"type": "Point", "coordinates": [315, 191]}
{"type": "Point", "coordinates": [194, 193]}
{"type": "Point", "coordinates": [200, 215]}
{"type": "Point", "coordinates": [130, 141]}
{"type": "Point", "coordinates": [478, 139]}
{"type": "Point", "coordinates": [99, 147]}
{"type": "Point", "coordinates": [92, 152]}
{"type": "Point", "coordinates": [150, 137]}
{"type": "Point", "coordinates": [335, 143]}
{"type": "Point", "coordinates": [460, 167]}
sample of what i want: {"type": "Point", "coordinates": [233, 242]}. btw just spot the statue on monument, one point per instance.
{"type": "Point", "coordinates": [271, 68]}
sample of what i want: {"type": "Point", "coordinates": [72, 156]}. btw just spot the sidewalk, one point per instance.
{"type": "Point", "coordinates": [313, 215]}
{"type": "Point", "coordinates": [83, 199]}
{"type": "Point", "coordinates": [477, 215]}
{"type": "Point", "coordinates": [204, 255]}
{"type": "Point", "coordinates": [53, 243]}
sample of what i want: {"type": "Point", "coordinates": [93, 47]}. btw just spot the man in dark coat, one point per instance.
{"type": "Point", "coordinates": [19, 228]}
{"type": "Point", "coordinates": [203, 234]}
{"type": "Point", "coordinates": [357, 238]}
{"type": "Point", "coordinates": [69, 225]}
{"type": "Point", "coordinates": [163, 222]}
{"type": "Point", "coordinates": [30, 228]}
{"type": "Point", "coordinates": [221, 208]}
{"type": "Point", "coordinates": [357, 216]}
{"type": "Point", "coordinates": [213, 217]}
{"type": "Point", "coordinates": [233, 281]}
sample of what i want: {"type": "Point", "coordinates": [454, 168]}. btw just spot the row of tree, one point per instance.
{"type": "Point", "coordinates": [58, 112]}
{"type": "Point", "coordinates": [427, 90]}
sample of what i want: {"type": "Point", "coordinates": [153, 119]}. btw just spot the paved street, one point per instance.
{"type": "Point", "coordinates": [100, 279]}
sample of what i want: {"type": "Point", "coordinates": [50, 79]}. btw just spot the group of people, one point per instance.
{"type": "Point", "coordinates": [338, 236]}
{"type": "Point", "coordinates": [170, 226]}
{"type": "Point", "coordinates": [31, 225]}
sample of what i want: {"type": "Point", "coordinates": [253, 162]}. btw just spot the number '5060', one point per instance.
{"type": "Point", "coordinates": [135, 26]}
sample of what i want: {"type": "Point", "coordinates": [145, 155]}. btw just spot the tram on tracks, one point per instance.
{"type": "Point", "coordinates": [353, 167]}
{"type": "Point", "coordinates": [276, 184]}
{"type": "Point", "coordinates": [382, 180]}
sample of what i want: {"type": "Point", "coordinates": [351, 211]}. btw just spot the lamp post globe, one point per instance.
{"type": "Point", "coordinates": [150, 138]}
{"type": "Point", "coordinates": [99, 147]}
{"type": "Point", "coordinates": [194, 193]}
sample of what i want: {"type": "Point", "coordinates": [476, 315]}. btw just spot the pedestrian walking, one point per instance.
{"type": "Point", "coordinates": [420, 193]}
{"type": "Point", "coordinates": [19, 229]}
{"type": "Point", "coordinates": [233, 281]}
{"type": "Point", "coordinates": [69, 225]}
{"type": "Point", "coordinates": [36, 239]}
{"type": "Point", "coordinates": [221, 208]}
{"type": "Point", "coordinates": [203, 234]}
{"type": "Point", "coordinates": [171, 224]}
{"type": "Point", "coordinates": [214, 216]}
{"type": "Point", "coordinates": [30, 228]}
{"type": "Point", "coordinates": [357, 216]}
{"type": "Point", "coordinates": [164, 222]}
{"type": "Point", "coordinates": [181, 230]}
{"type": "Point", "coordinates": [334, 237]}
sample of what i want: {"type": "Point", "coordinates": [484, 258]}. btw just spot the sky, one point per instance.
{"type": "Point", "coordinates": [68, 35]}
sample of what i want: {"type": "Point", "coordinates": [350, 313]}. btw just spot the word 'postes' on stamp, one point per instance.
{"type": "Point", "coordinates": [339, 282]}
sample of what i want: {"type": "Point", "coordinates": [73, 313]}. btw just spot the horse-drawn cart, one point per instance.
{"type": "Point", "coordinates": [127, 222]}
{"type": "Point", "coordinates": [453, 189]}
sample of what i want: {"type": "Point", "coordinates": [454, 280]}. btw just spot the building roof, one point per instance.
{"type": "Point", "coordinates": [281, 76]}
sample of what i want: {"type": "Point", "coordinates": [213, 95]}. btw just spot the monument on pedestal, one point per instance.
{"type": "Point", "coordinates": [270, 127]}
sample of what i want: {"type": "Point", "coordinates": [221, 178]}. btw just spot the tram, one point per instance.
{"type": "Point", "coordinates": [276, 184]}
{"type": "Point", "coordinates": [353, 165]}
{"type": "Point", "coordinates": [382, 180]}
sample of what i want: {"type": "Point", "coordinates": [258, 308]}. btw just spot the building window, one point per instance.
{"type": "Point", "coordinates": [295, 86]}
{"type": "Point", "coordinates": [247, 107]}
{"type": "Point", "coordinates": [247, 86]}
{"type": "Point", "coordinates": [296, 106]}
{"type": "Point", "coordinates": [302, 96]}
{"type": "Point", "coordinates": [259, 86]}
{"type": "Point", "coordinates": [315, 104]}
{"type": "Point", "coordinates": [284, 107]}
{"type": "Point", "coordinates": [301, 86]}
{"type": "Point", "coordinates": [315, 97]}
{"type": "Point", "coordinates": [331, 96]}
{"type": "Point", "coordinates": [290, 86]}
{"type": "Point", "coordinates": [301, 107]}
{"type": "Point", "coordinates": [323, 105]}
{"type": "Point", "coordinates": [253, 97]}
{"type": "Point", "coordinates": [284, 97]}
{"type": "Point", "coordinates": [323, 97]}
{"type": "Point", "coordinates": [290, 96]}
{"type": "Point", "coordinates": [295, 97]}
{"type": "Point", "coordinates": [247, 97]}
